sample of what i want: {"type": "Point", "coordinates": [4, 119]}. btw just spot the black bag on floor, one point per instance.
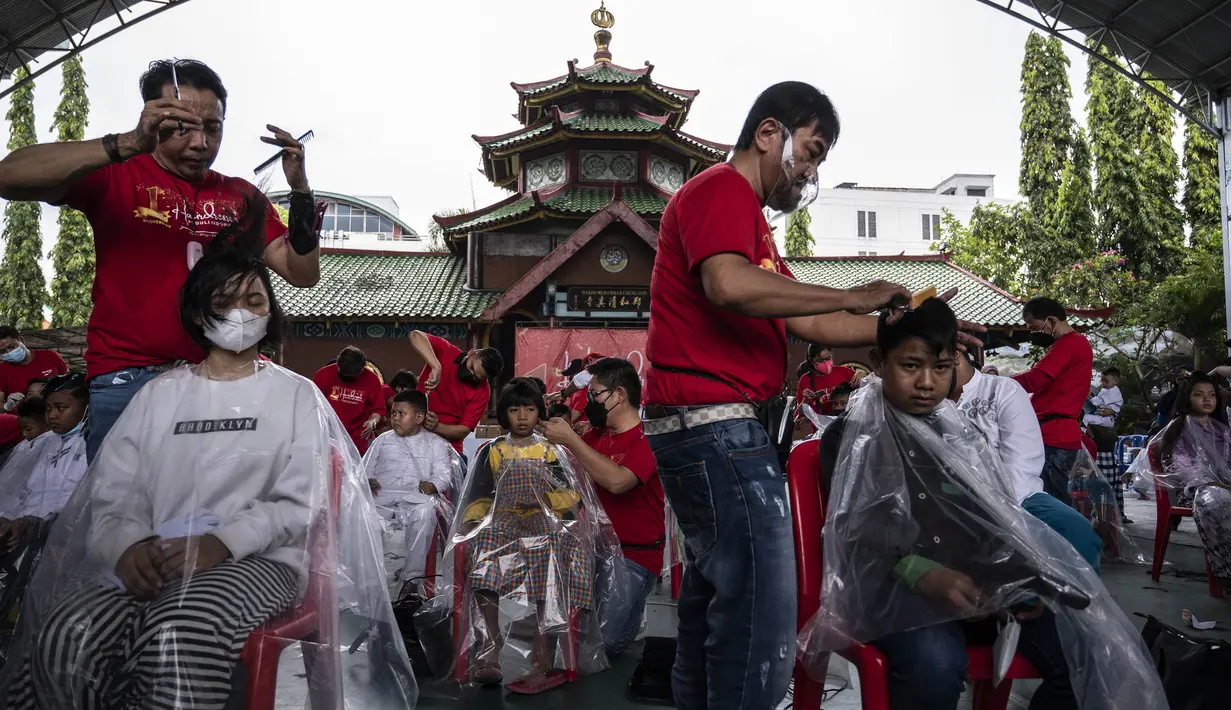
{"type": "Point", "coordinates": [1196, 672]}
{"type": "Point", "coordinates": [410, 604]}
{"type": "Point", "coordinates": [651, 681]}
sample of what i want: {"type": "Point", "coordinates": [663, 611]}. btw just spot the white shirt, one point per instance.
{"type": "Point", "coordinates": [1000, 409]}
{"type": "Point", "coordinates": [400, 463]}
{"type": "Point", "coordinates": [53, 466]}
{"type": "Point", "coordinates": [582, 379]}
{"type": "Point", "coordinates": [1110, 399]}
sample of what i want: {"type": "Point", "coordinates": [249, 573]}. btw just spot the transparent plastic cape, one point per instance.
{"type": "Point", "coordinates": [222, 521]}
{"type": "Point", "coordinates": [1184, 457]}
{"type": "Point", "coordinates": [531, 565]}
{"type": "Point", "coordinates": [1093, 497]}
{"type": "Point", "coordinates": [906, 489]}
{"type": "Point", "coordinates": [18, 468]}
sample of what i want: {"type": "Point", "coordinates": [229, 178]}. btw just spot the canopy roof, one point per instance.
{"type": "Point", "coordinates": [50, 31]}
{"type": "Point", "coordinates": [1183, 43]}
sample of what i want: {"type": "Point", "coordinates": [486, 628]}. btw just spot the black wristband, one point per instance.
{"type": "Point", "coordinates": [111, 144]}
{"type": "Point", "coordinates": [305, 222]}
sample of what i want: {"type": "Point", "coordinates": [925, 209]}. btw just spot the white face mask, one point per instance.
{"type": "Point", "coordinates": [809, 186]}
{"type": "Point", "coordinates": [238, 330]}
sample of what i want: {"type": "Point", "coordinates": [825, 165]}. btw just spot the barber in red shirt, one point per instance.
{"type": "Point", "coordinates": [819, 376]}
{"type": "Point", "coordinates": [153, 203]}
{"type": "Point", "coordinates": [354, 392]}
{"type": "Point", "coordinates": [1059, 385]}
{"type": "Point", "coordinates": [458, 383]}
{"type": "Point", "coordinates": [19, 365]}
{"type": "Point", "coordinates": [616, 455]}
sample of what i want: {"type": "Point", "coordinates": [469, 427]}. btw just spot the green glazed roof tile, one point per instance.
{"type": "Point", "coordinates": [518, 137]}
{"type": "Point", "coordinates": [385, 286]}
{"type": "Point", "coordinates": [509, 211]}
{"type": "Point", "coordinates": [611, 123]}
{"type": "Point", "coordinates": [588, 200]}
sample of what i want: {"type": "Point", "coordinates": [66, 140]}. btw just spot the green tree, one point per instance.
{"type": "Point", "coordinates": [1160, 225]}
{"type": "Point", "coordinates": [72, 257]}
{"type": "Point", "coordinates": [991, 247]}
{"type": "Point", "coordinates": [1047, 123]}
{"type": "Point", "coordinates": [436, 233]}
{"type": "Point", "coordinates": [1071, 226]}
{"type": "Point", "coordinates": [23, 291]}
{"type": "Point", "coordinates": [1201, 201]}
{"type": "Point", "coordinates": [1191, 303]}
{"type": "Point", "coordinates": [799, 240]}
{"type": "Point", "coordinates": [1114, 140]}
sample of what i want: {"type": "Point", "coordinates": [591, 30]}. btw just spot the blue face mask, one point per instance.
{"type": "Point", "coordinates": [15, 355]}
{"type": "Point", "coordinates": [79, 426]}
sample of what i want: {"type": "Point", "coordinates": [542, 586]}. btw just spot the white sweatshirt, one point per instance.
{"type": "Point", "coordinates": [253, 451]}
{"type": "Point", "coordinates": [400, 463]}
{"type": "Point", "coordinates": [1000, 408]}
{"type": "Point", "coordinates": [52, 466]}
{"type": "Point", "coordinates": [1105, 399]}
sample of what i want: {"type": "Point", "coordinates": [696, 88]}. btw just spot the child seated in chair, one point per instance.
{"type": "Point", "coordinates": [519, 513]}
{"type": "Point", "coordinates": [409, 469]}
{"type": "Point", "coordinates": [915, 359]}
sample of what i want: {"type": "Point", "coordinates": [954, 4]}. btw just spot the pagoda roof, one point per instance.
{"type": "Point", "coordinates": [568, 201]}
{"type": "Point", "coordinates": [536, 97]}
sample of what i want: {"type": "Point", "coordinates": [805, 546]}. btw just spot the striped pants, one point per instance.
{"type": "Point", "coordinates": [103, 648]}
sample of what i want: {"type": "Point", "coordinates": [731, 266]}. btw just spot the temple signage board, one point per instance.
{"type": "Point", "coordinates": [609, 299]}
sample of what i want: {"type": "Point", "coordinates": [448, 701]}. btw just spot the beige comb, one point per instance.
{"type": "Point", "coordinates": [921, 296]}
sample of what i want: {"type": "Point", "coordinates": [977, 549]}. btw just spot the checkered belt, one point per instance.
{"type": "Point", "coordinates": [692, 418]}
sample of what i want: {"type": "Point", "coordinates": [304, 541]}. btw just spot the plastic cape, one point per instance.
{"type": "Point", "coordinates": [261, 464]}
{"type": "Point", "coordinates": [911, 493]}
{"type": "Point", "coordinates": [1199, 456]}
{"type": "Point", "coordinates": [1093, 498]}
{"type": "Point", "coordinates": [414, 521]}
{"type": "Point", "coordinates": [533, 563]}
{"type": "Point", "coordinates": [17, 470]}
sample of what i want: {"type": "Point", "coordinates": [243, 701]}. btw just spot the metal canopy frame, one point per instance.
{"type": "Point", "coordinates": [33, 29]}
{"type": "Point", "coordinates": [1202, 93]}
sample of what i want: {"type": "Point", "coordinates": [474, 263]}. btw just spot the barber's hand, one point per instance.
{"type": "Point", "coordinates": [431, 421]}
{"type": "Point", "coordinates": [138, 569]}
{"type": "Point", "coordinates": [206, 551]}
{"type": "Point", "coordinates": [292, 157]}
{"type": "Point", "coordinates": [808, 395]}
{"type": "Point", "coordinates": [879, 296]}
{"type": "Point", "coordinates": [428, 489]}
{"type": "Point", "coordinates": [433, 377]}
{"type": "Point", "coordinates": [370, 425]}
{"type": "Point", "coordinates": [581, 426]}
{"type": "Point", "coordinates": [160, 116]}
{"type": "Point", "coordinates": [950, 587]}
{"type": "Point", "coordinates": [558, 431]}
{"type": "Point", "coordinates": [12, 401]}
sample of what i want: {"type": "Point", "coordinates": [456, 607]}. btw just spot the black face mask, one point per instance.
{"type": "Point", "coordinates": [463, 373]}
{"type": "Point", "coordinates": [1042, 340]}
{"type": "Point", "coordinates": [596, 412]}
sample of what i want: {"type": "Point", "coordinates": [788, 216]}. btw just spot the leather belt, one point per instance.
{"type": "Point", "coordinates": [659, 420]}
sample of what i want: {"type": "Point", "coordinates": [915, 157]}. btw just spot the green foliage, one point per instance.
{"type": "Point", "coordinates": [1111, 118]}
{"type": "Point", "coordinates": [1071, 225]}
{"type": "Point", "coordinates": [1201, 201]}
{"type": "Point", "coordinates": [283, 213]}
{"type": "Point", "coordinates": [72, 257]}
{"type": "Point", "coordinates": [436, 233]}
{"type": "Point", "coordinates": [799, 240]}
{"type": "Point", "coordinates": [991, 247]}
{"type": "Point", "coordinates": [1046, 127]}
{"type": "Point", "coordinates": [1191, 302]}
{"type": "Point", "coordinates": [23, 291]}
{"type": "Point", "coordinates": [1160, 226]}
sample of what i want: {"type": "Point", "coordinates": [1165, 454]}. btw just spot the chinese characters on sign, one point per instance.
{"type": "Point", "coordinates": [609, 299]}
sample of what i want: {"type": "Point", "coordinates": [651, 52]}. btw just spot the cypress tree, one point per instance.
{"type": "Point", "coordinates": [1114, 140]}
{"type": "Point", "coordinates": [1201, 200]}
{"type": "Point", "coordinates": [1160, 230]}
{"type": "Point", "coordinates": [23, 291]}
{"type": "Point", "coordinates": [799, 240]}
{"type": "Point", "coordinates": [73, 255]}
{"type": "Point", "coordinates": [1047, 123]}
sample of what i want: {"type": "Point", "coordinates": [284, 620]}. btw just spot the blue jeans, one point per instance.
{"type": "Point", "coordinates": [1071, 525]}
{"type": "Point", "coordinates": [736, 640]}
{"type": "Point", "coordinates": [109, 396]}
{"type": "Point", "coordinates": [1057, 465]}
{"type": "Point", "coordinates": [927, 666]}
{"type": "Point", "coordinates": [621, 616]}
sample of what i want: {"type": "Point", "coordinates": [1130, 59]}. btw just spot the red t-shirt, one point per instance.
{"type": "Point", "coordinates": [1059, 385]}
{"type": "Point", "coordinates": [577, 402]}
{"type": "Point", "coordinates": [10, 431]}
{"type": "Point", "coordinates": [716, 212]}
{"type": "Point", "coordinates": [454, 401]}
{"type": "Point", "coordinates": [638, 515]}
{"type": "Point", "coordinates": [822, 385]}
{"type": "Point", "coordinates": [353, 402]}
{"type": "Point", "coordinates": [16, 378]}
{"type": "Point", "coordinates": [149, 228]}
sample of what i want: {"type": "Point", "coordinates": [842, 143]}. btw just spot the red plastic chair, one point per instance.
{"type": "Point", "coordinates": [305, 623]}
{"type": "Point", "coordinates": [439, 537]}
{"type": "Point", "coordinates": [1166, 515]}
{"type": "Point", "coordinates": [807, 507]}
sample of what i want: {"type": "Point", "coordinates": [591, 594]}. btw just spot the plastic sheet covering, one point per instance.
{"type": "Point", "coordinates": [532, 559]}
{"type": "Point", "coordinates": [906, 489]}
{"type": "Point", "coordinates": [16, 472]}
{"type": "Point", "coordinates": [1094, 498]}
{"type": "Point", "coordinates": [222, 521]}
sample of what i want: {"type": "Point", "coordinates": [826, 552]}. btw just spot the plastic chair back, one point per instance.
{"type": "Point", "coordinates": [808, 511]}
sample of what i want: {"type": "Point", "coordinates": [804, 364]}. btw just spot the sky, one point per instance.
{"type": "Point", "coordinates": [394, 89]}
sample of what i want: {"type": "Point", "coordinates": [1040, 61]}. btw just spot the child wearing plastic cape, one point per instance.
{"type": "Point", "coordinates": [410, 471]}
{"type": "Point", "coordinates": [224, 514]}
{"type": "Point", "coordinates": [1194, 451]}
{"type": "Point", "coordinates": [1094, 498]}
{"type": "Point", "coordinates": [536, 545]}
{"type": "Point", "coordinates": [924, 535]}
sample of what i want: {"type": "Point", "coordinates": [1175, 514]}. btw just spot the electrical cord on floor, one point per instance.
{"type": "Point", "coordinates": [829, 693]}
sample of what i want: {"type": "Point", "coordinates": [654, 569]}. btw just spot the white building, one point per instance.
{"type": "Point", "coordinates": [362, 223]}
{"type": "Point", "coordinates": [853, 220]}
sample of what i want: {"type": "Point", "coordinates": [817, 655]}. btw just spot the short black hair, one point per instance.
{"type": "Point", "coordinates": [844, 389]}
{"type": "Point", "coordinates": [351, 362]}
{"type": "Point", "coordinates": [493, 362]}
{"type": "Point", "coordinates": [188, 72]}
{"type": "Point", "coordinates": [32, 408]}
{"type": "Point", "coordinates": [73, 383]}
{"type": "Point", "coordinates": [1112, 372]}
{"type": "Point", "coordinates": [519, 392]}
{"type": "Point", "coordinates": [538, 382]}
{"type": "Point", "coordinates": [575, 367]}
{"type": "Point", "coordinates": [613, 372]}
{"type": "Point", "coordinates": [1042, 308]}
{"type": "Point", "coordinates": [414, 398]}
{"type": "Point", "coordinates": [933, 322]}
{"type": "Point", "coordinates": [8, 331]}
{"type": "Point", "coordinates": [404, 380]}
{"type": "Point", "coordinates": [814, 350]}
{"type": "Point", "coordinates": [228, 261]}
{"type": "Point", "coordinates": [36, 381]}
{"type": "Point", "coordinates": [559, 409]}
{"type": "Point", "coordinates": [794, 104]}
